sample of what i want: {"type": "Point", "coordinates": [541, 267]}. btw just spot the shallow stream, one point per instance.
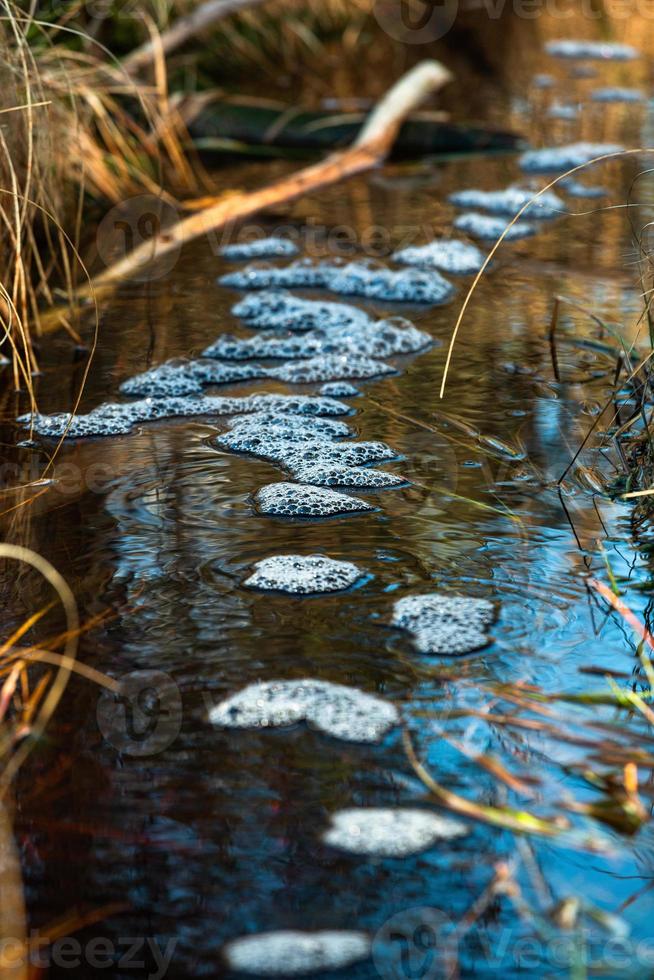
{"type": "Point", "coordinates": [207, 834]}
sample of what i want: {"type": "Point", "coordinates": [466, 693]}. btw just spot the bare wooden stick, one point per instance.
{"type": "Point", "coordinates": [370, 148]}
{"type": "Point", "coordinates": [182, 30]}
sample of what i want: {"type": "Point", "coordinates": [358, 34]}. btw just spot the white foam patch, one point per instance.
{"type": "Point", "coordinates": [278, 310]}
{"type": "Point", "coordinates": [113, 419]}
{"type": "Point", "coordinates": [339, 389]}
{"type": "Point", "coordinates": [383, 339]}
{"type": "Point", "coordinates": [446, 254]}
{"type": "Point", "coordinates": [306, 448]}
{"type": "Point", "coordinates": [558, 159]}
{"type": "Point", "coordinates": [591, 50]}
{"type": "Point", "coordinates": [261, 426]}
{"type": "Point", "coordinates": [297, 449]}
{"type": "Point", "coordinates": [508, 202]}
{"type": "Point", "coordinates": [303, 574]}
{"type": "Point", "coordinates": [389, 832]}
{"type": "Point", "coordinates": [618, 94]}
{"type": "Point", "coordinates": [343, 712]}
{"type": "Point", "coordinates": [576, 189]}
{"type": "Point", "coordinates": [331, 367]}
{"type": "Point", "coordinates": [299, 500]}
{"type": "Point", "coordinates": [328, 474]}
{"type": "Point", "coordinates": [363, 278]}
{"type": "Point", "coordinates": [290, 953]}
{"type": "Point", "coordinates": [487, 228]}
{"type": "Point", "coordinates": [563, 110]}
{"type": "Point", "coordinates": [188, 378]}
{"type": "Point", "coordinates": [260, 248]}
{"type": "Point", "coordinates": [445, 624]}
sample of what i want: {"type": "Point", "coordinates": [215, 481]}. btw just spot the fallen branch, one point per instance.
{"type": "Point", "coordinates": [370, 148]}
{"type": "Point", "coordinates": [184, 29]}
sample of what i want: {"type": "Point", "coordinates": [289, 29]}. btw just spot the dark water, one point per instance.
{"type": "Point", "coordinates": [214, 834]}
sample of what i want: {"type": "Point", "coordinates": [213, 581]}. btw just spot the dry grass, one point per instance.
{"type": "Point", "coordinates": [68, 137]}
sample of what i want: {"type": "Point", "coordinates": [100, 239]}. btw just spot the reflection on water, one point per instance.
{"type": "Point", "coordinates": [218, 834]}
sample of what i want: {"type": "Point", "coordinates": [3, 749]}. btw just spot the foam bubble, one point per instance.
{"type": "Point", "coordinates": [343, 712]}
{"type": "Point", "coordinates": [617, 94]}
{"type": "Point", "coordinates": [279, 310]}
{"type": "Point", "coordinates": [299, 500]}
{"type": "Point", "coordinates": [508, 202]}
{"type": "Point", "coordinates": [188, 378]}
{"type": "Point", "coordinates": [259, 248]}
{"type": "Point", "coordinates": [382, 340]}
{"type": "Point", "coordinates": [446, 254]}
{"type": "Point", "coordinates": [330, 367]}
{"type": "Point", "coordinates": [488, 229]}
{"type": "Point", "coordinates": [592, 50]}
{"type": "Point", "coordinates": [115, 418]}
{"type": "Point", "coordinates": [361, 278]}
{"type": "Point", "coordinates": [389, 832]}
{"type": "Point", "coordinates": [290, 953]}
{"type": "Point", "coordinates": [558, 159]}
{"type": "Point", "coordinates": [303, 574]}
{"type": "Point", "coordinates": [445, 624]}
{"type": "Point", "coordinates": [339, 389]}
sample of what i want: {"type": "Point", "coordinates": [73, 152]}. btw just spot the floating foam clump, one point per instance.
{"type": "Point", "coordinates": [312, 459]}
{"type": "Point", "coordinates": [352, 279]}
{"type": "Point", "coordinates": [561, 110]}
{"type": "Point", "coordinates": [558, 159]}
{"type": "Point", "coordinates": [305, 448]}
{"type": "Point", "coordinates": [508, 202]}
{"type": "Point", "coordinates": [278, 310]}
{"type": "Point", "coordinates": [292, 404]}
{"type": "Point", "coordinates": [113, 419]}
{"type": "Point", "coordinates": [299, 500]}
{"type": "Point", "coordinates": [446, 254]}
{"type": "Point", "coordinates": [576, 189]}
{"type": "Point", "coordinates": [337, 475]}
{"type": "Point", "coordinates": [617, 94]}
{"type": "Point", "coordinates": [443, 623]}
{"type": "Point", "coordinates": [303, 574]}
{"type": "Point", "coordinates": [389, 832]}
{"type": "Point", "coordinates": [290, 953]}
{"type": "Point", "coordinates": [188, 378]}
{"type": "Point", "coordinates": [261, 426]}
{"type": "Point", "coordinates": [330, 367]}
{"type": "Point", "coordinates": [339, 389]}
{"type": "Point", "coordinates": [343, 712]}
{"type": "Point", "coordinates": [259, 248]}
{"type": "Point", "coordinates": [382, 339]}
{"type": "Point", "coordinates": [173, 380]}
{"type": "Point", "coordinates": [485, 227]}
{"type": "Point", "coordinates": [592, 50]}
{"type": "Point", "coordinates": [301, 450]}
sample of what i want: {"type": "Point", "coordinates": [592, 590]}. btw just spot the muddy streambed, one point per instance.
{"type": "Point", "coordinates": [205, 833]}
